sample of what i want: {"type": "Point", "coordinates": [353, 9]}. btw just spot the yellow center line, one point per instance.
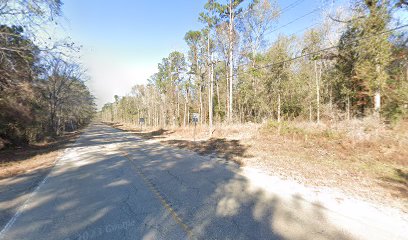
{"type": "Point", "coordinates": [163, 201]}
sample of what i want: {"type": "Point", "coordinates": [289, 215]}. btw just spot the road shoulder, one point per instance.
{"type": "Point", "coordinates": [22, 170]}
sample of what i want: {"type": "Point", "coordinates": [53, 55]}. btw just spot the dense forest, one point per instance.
{"type": "Point", "coordinates": [239, 68]}
{"type": "Point", "coordinates": [42, 90]}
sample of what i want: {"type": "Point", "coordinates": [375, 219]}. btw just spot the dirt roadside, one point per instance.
{"type": "Point", "coordinates": [22, 169]}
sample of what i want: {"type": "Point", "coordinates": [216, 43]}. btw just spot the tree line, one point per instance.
{"type": "Point", "coordinates": [42, 90]}
{"type": "Point", "coordinates": [239, 68]}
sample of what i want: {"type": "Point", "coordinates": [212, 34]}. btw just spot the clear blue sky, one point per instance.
{"type": "Point", "coordinates": [125, 39]}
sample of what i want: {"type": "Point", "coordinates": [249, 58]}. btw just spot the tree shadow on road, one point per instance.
{"type": "Point", "coordinates": [155, 134]}
{"type": "Point", "coordinates": [231, 150]}
{"type": "Point", "coordinates": [397, 183]}
{"type": "Point", "coordinates": [99, 194]}
{"type": "Point", "coordinates": [23, 168]}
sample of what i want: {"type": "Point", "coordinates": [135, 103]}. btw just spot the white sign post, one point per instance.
{"type": "Point", "coordinates": [141, 122]}
{"type": "Point", "coordinates": [196, 116]}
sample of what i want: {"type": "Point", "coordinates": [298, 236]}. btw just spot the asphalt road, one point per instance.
{"type": "Point", "coordinates": [114, 185]}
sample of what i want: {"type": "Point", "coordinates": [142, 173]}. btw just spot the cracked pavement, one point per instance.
{"type": "Point", "coordinates": [95, 192]}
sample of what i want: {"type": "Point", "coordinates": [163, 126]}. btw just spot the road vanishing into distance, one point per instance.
{"type": "Point", "coordinates": [112, 184]}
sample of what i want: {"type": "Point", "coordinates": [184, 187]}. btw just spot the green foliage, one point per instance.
{"type": "Point", "coordinates": [396, 89]}
{"type": "Point", "coordinates": [36, 102]}
{"type": "Point", "coordinates": [33, 102]}
{"type": "Point", "coordinates": [17, 93]}
{"type": "Point", "coordinates": [373, 50]}
{"type": "Point", "coordinates": [396, 105]}
{"type": "Point", "coordinates": [345, 83]}
{"type": "Point", "coordinates": [318, 74]}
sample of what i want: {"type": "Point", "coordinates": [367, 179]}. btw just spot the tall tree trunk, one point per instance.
{"type": "Point", "coordinates": [227, 94]}
{"type": "Point", "coordinates": [279, 107]}
{"type": "Point", "coordinates": [211, 87]}
{"type": "Point", "coordinates": [185, 114]}
{"type": "Point", "coordinates": [377, 95]}
{"type": "Point", "coordinates": [211, 107]}
{"type": "Point", "coordinates": [201, 105]}
{"type": "Point", "coordinates": [331, 102]}
{"type": "Point", "coordinates": [164, 120]}
{"type": "Point", "coordinates": [59, 125]}
{"type": "Point", "coordinates": [218, 98]}
{"type": "Point", "coordinates": [149, 114]}
{"type": "Point", "coordinates": [230, 52]}
{"type": "Point", "coordinates": [178, 107]}
{"type": "Point", "coordinates": [377, 103]}
{"type": "Point", "coordinates": [253, 76]}
{"type": "Point", "coordinates": [318, 75]}
{"type": "Point", "coordinates": [185, 108]}
{"type": "Point", "coordinates": [348, 108]}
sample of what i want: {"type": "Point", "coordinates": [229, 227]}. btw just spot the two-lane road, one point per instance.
{"type": "Point", "coordinates": [114, 185]}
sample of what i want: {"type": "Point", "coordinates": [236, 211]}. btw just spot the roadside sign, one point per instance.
{"type": "Point", "coordinates": [196, 116]}
{"type": "Point", "coordinates": [141, 123]}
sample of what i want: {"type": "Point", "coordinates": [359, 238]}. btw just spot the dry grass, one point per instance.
{"type": "Point", "coordinates": [363, 158]}
{"type": "Point", "coordinates": [41, 156]}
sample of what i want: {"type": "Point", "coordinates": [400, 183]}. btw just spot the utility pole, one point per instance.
{"type": "Point", "coordinates": [318, 75]}
{"type": "Point", "coordinates": [211, 88]}
{"type": "Point", "coordinates": [377, 93]}
{"type": "Point", "coordinates": [230, 50]}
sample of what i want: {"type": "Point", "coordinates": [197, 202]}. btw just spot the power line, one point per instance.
{"type": "Point", "coordinates": [306, 28]}
{"type": "Point", "coordinates": [290, 6]}
{"type": "Point", "coordinates": [294, 20]}
{"type": "Point", "coordinates": [319, 51]}
{"type": "Point", "coordinates": [297, 19]}
{"type": "Point", "coordinates": [285, 9]}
